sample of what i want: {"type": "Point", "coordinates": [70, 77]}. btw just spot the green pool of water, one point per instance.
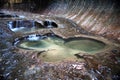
{"type": "Point", "coordinates": [57, 49]}
{"type": "Point", "coordinates": [85, 44]}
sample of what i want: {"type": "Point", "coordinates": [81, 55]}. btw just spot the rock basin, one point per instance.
{"type": "Point", "coordinates": [53, 48]}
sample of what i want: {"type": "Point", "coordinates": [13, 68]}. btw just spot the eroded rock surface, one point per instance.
{"type": "Point", "coordinates": [99, 22]}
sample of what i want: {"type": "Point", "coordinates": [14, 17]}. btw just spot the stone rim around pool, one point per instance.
{"type": "Point", "coordinates": [52, 51]}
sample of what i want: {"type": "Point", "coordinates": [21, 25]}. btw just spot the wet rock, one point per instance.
{"type": "Point", "coordinates": [2, 77]}
{"type": "Point", "coordinates": [12, 65]}
{"type": "Point", "coordinates": [39, 25]}
{"type": "Point", "coordinates": [31, 70]}
{"type": "Point", "coordinates": [7, 16]}
{"type": "Point", "coordinates": [1, 13]}
{"type": "Point", "coordinates": [115, 51]}
{"type": "Point", "coordinates": [24, 26]}
{"type": "Point", "coordinates": [78, 55]}
{"type": "Point", "coordinates": [116, 77]}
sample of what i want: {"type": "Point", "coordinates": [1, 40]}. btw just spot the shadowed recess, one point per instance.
{"type": "Point", "coordinates": [3, 15]}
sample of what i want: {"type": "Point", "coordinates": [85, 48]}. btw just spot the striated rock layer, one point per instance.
{"type": "Point", "coordinates": [98, 16]}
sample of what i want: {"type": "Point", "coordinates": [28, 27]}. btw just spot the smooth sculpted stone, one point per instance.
{"type": "Point", "coordinates": [53, 48]}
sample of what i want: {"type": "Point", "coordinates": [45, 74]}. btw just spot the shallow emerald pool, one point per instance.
{"type": "Point", "coordinates": [85, 44]}
{"type": "Point", "coordinates": [56, 49]}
